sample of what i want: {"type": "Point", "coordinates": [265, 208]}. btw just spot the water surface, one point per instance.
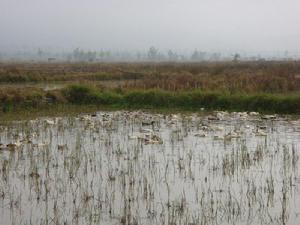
{"type": "Point", "coordinates": [147, 168]}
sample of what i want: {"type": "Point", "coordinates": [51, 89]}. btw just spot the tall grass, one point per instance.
{"type": "Point", "coordinates": [243, 77]}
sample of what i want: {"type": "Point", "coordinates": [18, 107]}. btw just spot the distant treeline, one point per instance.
{"type": "Point", "coordinates": [151, 54]}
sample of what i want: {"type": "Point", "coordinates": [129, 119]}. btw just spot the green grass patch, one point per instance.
{"type": "Point", "coordinates": [155, 98]}
{"type": "Point", "coordinates": [81, 95]}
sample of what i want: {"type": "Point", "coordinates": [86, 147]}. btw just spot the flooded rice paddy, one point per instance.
{"type": "Point", "coordinates": [146, 168]}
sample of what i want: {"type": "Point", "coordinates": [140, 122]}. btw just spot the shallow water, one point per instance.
{"type": "Point", "coordinates": [145, 168]}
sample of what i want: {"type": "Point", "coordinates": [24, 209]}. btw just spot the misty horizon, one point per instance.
{"type": "Point", "coordinates": [228, 26]}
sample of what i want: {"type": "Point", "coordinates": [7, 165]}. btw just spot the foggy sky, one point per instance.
{"type": "Point", "coordinates": [209, 25]}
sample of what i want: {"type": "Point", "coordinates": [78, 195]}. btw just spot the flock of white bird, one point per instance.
{"type": "Point", "coordinates": [149, 133]}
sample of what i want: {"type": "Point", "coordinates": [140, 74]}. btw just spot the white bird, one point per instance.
{"type": "Point", "coordinates": [133, 137]}
{"type": "Point", "coordinates": [49, 122]}
{"type": "Point", "coordinates": [269, 117]}
{"type": "Point", "coordinates": [232, 135]}
{"type": "Point", "coordinates": [200, 135]}
{"type": "Point", "coordinates": [15, 145]}
{"type": "Point", "coordinates": [247, 126]}
{"type": "Point", "coordinates": [217, 128]}
{"type": "Point", "coordinates": [85, 118]}
{"type": "Point", "coordinates": [253, 113]}
{"type": "Point", "coordinates": [146, 130]}
{"type": "Point", "coordinates": [218, 138]}
{"type": "Point", "coordinates": [260, 133]}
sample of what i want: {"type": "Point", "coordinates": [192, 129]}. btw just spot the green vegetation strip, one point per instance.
{"type": "Point", "coordinates": [155, 99]}
{"type": "Point", "coordinates": [195, 99]}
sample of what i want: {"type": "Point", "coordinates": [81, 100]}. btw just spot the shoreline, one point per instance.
{"type": "Point", "coordinates": [193, 100]}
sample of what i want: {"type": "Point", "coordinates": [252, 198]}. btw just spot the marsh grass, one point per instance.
{"type": "Point", "coordinates": [242, 77]}
{"type": "Point", "coordinates": [31, 99]}
{"type": "Point", "coordinates": [245, 86]}
{"type": "Point", "coordinates": [155, 98]}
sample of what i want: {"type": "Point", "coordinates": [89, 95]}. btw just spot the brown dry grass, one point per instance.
{"type": "Point", "coordinates": [243, 77]}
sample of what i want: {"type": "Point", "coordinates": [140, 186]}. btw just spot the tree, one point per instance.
{"type": "Point", "coordinates": [172, 55]}
{"type": "Point", "coordinates": [77, 54]}
{"type": "Point", "coordinates": [215, 56]}
{"type": "Point", "coordinates": [198, 56]}
{"type": "Point", "coordinates": [40, 53]}
{"type": "Point", "coordinates": [91, 56]}
{"type": "Point", "coordinates": [236, 57]}
{"type": "Point", "coordinates": [152, 53]}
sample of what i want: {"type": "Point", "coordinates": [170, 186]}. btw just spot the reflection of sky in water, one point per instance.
{"type": "Point", "coordinates": [99, 170]}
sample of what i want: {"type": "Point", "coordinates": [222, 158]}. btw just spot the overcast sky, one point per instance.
{"type": "Point", "coordinates": [210, 25]}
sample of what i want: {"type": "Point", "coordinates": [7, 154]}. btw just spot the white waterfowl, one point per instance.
{"type": "Point", "coordinates": [136, 136]}
{"type": "Point", "coordinates": [174, 116]}
{"type": "Point", "coordinates": [260, 133]}
{"type": "Point", "coordinates": [269, 117]}
{"type": "Point", "coordinates": [242, 115]}
{"type": "Point", "coordinates": [221, 114]}
{"type": "Point", "coordinates": [148, 138]}
{"type": "Point", "coordinates": [85, 118]}
{"type": "Point", "coordinates": [151, 141]}
{"type": "Point", "coordinates": [253, 113]}
{"type": "Point", "coordinates": [205, 128]}
{"type": "Point", "coordinates": [232, 135]}
{"type": "Point", "coordinates": [200, 135]}
{"type": "Point", "coordinates": [15, 145]}
{"type": "Point", "coordinates": [40, 145]}
{"type": "Point", "coordinates": [146, 130]}
{"type": "Point", "coordinates": [217, 128]}
{"type": "Point", "coordinates": [218, 138]}
{"type": "Point", "coordinates": [49, 122]}
{"type": "Point", "coordinates": [212, 118]}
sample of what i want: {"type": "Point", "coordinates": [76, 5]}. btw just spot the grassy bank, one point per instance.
{"type": "Point", "coordinates": [194, 100]}
{"type": "Point", "coordinates": [82, 96]}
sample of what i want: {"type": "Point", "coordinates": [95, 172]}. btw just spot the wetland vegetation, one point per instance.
{"type": "Point", "coordinates": [172, 112]}
{"type": "Point", "coordinates": [242, 86]}
{"type": "Point", "coordinates": [133, 166]}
